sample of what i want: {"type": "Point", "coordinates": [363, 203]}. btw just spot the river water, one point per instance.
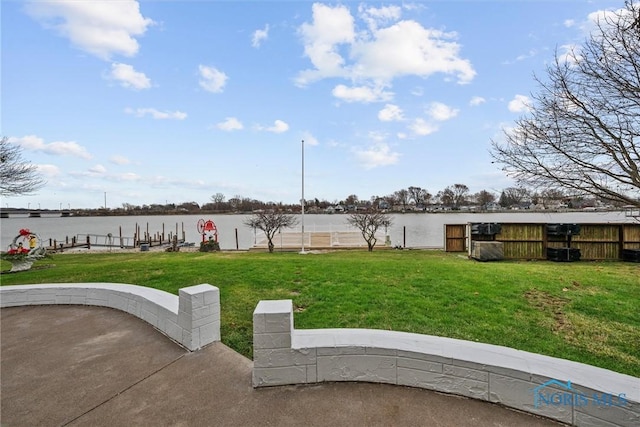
{"type": "Point", "coordinates": [414, 230]}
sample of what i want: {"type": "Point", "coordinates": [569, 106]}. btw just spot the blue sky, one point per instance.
{"type": "Point", "coordinates": [157, 101]}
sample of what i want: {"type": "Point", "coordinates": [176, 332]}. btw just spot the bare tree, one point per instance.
{"type": "Point", "coordinates": [391, 200]}
{"type": "Point", "coordinates": [368, 224]}
{"type": "Point", "coordinates": [17, 176]}
{"type": "Point", "coordinates": [235, 202]}
{"type": "Point", "coordinates": [460, 193]}
{"type": "Point", "coordinates": [551, 195]}
{"type": "Point", "coordinates": [402, 197]}
{"type": "Point", "coordinates": [420, 196]}
{"type": "Point", "coordinates": [446, 196]}
{"type": "Point", "coordinates": [483, 198]}
{"type": "Point", "coordinates": [351, 200]}
{"type": "Point", "coordinates": [270, 223]}
{"type": "Point", "coordinates": [513, 196]}
{"type": "Point", "coordinates": [583, 128]}
{"type": "Point", "coordinates": [218, 200]}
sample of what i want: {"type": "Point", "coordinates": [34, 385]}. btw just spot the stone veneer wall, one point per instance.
{"type": "Point", "coordinates": [283, 355]}
{"type": "Point", "coordinates": [192, 318]}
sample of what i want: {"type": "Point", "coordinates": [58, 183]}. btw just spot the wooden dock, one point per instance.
{"type": "Point", "coordinates": [88, 241]}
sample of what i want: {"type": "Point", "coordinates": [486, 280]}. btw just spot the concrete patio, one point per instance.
{"type": "Point", "coordinates": [78, 365]}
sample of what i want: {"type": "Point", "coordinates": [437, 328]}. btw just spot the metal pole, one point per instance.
{"type": "Point", "coordinates": [302, 200]}
{"type": "Point", "coordinates": [404, 236]}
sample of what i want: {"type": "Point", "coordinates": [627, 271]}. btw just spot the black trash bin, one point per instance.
{"type": "Point", "coordinates": [563, 254]}
{"type": "Point", "coordinates": [631, 255]}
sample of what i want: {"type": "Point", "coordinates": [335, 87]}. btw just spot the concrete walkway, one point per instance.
{"type": "Point", "coordinates": [92, 366]}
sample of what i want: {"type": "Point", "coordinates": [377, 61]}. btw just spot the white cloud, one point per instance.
{"type": "Point", "coordinates": [519, 104]}
{"type": "Point", "coordinates": [441, 112]}
{"type": "Point", "coordinates": [101, 28]}
{"type": "Point", "coordinates": [333, 143]}
{"type": "Point", "coordinates": [422, 127]}
{"type": "Point", "coordinates": [569, 53]}
{"type": "Point", "coordinates": [211, 79]}
{"type": "Point", "coordinates": [119, 160]}
{"type": "Point", "coordinates": [59, 148]}
{"type": "Point", "coordinates": [390, 113]}
{"type": "Point", "coordinates": [377, 136]}
{"type": "Point", "coordinates": [407, 48]}
{"type": "Point", "coordinates": [379, 16]}
{"type": "Point", "coordinates": [278, 127]}
{"type": "Point", "coordinates": [530, 54]}
{"type": "Point", "coordinates": [259, 36]}
{"type": "Point", "coordinates": [590, 24]}
{"type": "Point", "coordinates": [230, 124]}
{"type": "Point", "coordinates": [477, 100]}
{"type": "Point", "coordinates": [309, 139]}
{"type": "Point", "coordinates": [379, 154]}
{"type": "Point", "coordinates": [362, 94]}
{"type": "Point", "coordinates": [156, 114]}
{"type": "Point", "coordinates": [377, 55]}
{"type": "Point", "coordinates": [97, 170]}
{"type": "Point", "coordinates": [417, 91]}
{"type": "Point", "coordinates": [522, 57]}
{"type": "Point", "coordinates": [100, 172]}
{"type": "Point", "coordinates": [600, 16]}
{"type": "Point", "coordinates": [127, 176]}
{"type": "Point", "coordinates": [48, 170]}
{"type": "Point", "coordinates": [128, 77]}
{"type": "Point", "coordinates": [330, 28]}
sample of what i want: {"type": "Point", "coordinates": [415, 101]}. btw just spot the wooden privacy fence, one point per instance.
{"type": "Point", "coordinates": [530, 240]}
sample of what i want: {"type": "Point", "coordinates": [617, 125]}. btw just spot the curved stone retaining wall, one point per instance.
{"type": "Point", "coordinates": [570, 392]}
{"type": "Point", "coordinates": [192, 318]}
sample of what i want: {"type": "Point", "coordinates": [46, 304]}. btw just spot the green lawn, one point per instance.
{"type": "Point", "coordinates": [586, 311]}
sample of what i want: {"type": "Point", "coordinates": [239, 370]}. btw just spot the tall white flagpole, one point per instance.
{"type": "Point", "coordinates": [302, 200]}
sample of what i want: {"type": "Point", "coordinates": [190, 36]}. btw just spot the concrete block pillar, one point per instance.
{"type": "Point", "coordinates": [274, 360]}
{"type": "Point", "coordinates": [199, 315]}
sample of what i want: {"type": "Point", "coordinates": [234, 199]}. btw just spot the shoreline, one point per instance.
{"type": "Point", "coordinates": [118, 250]}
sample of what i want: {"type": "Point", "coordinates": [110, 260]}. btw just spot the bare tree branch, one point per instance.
{"type": "Point", "coordinates": [17, 176]}
{"type": "Point", "coordinates": [368, 224]}
{"type": "Point", "coordinates": [271, 222]}
{"type": "Point", "coordinates": [583, 129]}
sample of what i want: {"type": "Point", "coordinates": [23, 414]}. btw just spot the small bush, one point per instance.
{"type": "Point", "coordinates": [210, 246]}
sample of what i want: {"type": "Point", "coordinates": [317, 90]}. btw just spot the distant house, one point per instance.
{"type": "Point", "coordinates": [522, 206]}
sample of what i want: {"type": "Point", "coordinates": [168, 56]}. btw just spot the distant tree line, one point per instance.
{"type": "Point", "coordinates": [411, 199]}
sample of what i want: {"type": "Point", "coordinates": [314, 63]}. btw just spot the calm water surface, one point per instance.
{"type": "Point", "coordinates": [415, 230]}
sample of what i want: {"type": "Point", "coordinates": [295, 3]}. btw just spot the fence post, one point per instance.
{"type": "Point", "coordinates": [404, 236]}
